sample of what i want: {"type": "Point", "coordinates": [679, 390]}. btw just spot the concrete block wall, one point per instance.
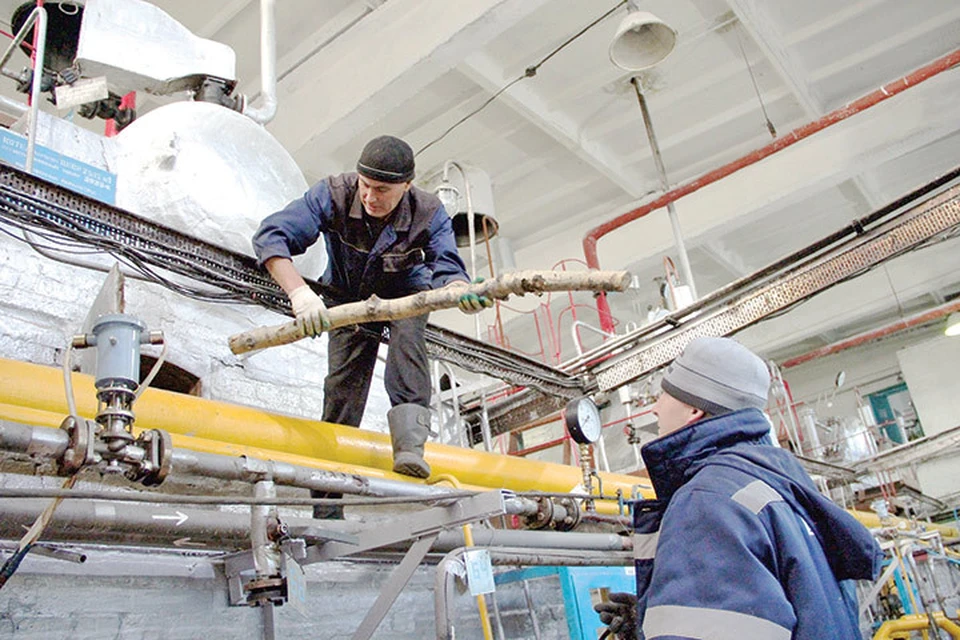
{"type": "Point", "coordinates": [150, 595]}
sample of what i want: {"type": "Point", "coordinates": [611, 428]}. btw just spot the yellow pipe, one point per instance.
{"type": "Point", "coordinates": [40, 418]}
{"type": "Point", "coordinates": [36, 387]}
{"type": "Point", "coordinates": [916, 622]}
{"type": "Point", "coordinates": [871, 520]}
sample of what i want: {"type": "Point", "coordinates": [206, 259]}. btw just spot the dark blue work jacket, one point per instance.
{"type": "Point", "coordinates": [740, 540]}
{"type": "Point", "coordinates": [415, 251]}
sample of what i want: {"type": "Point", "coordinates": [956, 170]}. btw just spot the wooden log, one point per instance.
{"type": "Point", "coordinates": [375, 309]}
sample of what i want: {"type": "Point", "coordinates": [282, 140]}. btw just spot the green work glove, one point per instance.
{"type": "Point", "coordinates": [471, 302]}
{"type": "Point", "coordinates": [311, 313]}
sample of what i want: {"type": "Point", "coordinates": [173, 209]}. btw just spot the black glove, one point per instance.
{"type": "Point", "coordinates": [619, 613]}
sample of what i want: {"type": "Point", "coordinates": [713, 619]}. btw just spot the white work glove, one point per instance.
{"type": "Point", "coordinates": [471, 303]}
{"type": "Point", "coordinates": [311, 313]}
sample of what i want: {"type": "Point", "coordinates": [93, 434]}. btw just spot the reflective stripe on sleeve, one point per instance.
{"type": "Point", "coordinates": [708, 624]}
{"type": "Point", "coordinates": [756, 495]}
{"type": "Point", "coordinates": [645, 545]}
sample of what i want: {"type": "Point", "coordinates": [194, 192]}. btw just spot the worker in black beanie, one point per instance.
{"type": "Point", "coordinates": [383, 237]}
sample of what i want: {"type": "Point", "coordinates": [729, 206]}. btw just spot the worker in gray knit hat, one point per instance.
{"type": "Point", "coordinates": [738, 537]}
{"type": "Point", "coordinates": [711, 377]}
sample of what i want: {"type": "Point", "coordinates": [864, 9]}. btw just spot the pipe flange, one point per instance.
{"type": "Point", "coordinates": [543, 518]}
{"type": "Point", "coordinates": [261, 591]}
{"type": "Point", "coordinates": [159, 451]}
{"type": "Point", "coordinates": [80, 449]}
{"type": "Point", "coordinates": [572, 517]}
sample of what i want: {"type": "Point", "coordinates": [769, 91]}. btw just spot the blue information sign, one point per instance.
{"type": "Point", "coordinates": [51, 165]}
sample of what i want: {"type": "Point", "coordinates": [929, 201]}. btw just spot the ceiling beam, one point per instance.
{"type": "Point", "coordinates": [755, 20]}
{"type": "Point", "coordinates": [311, 45]}
{"type": "Point", "coordinates": [526, 101]}
{"type": "Point", "coordinates": [826, 159]}
{"type": "Point", "coordinates": [383, 61]}
{"type": "Point", "coordinates": [772, 43]}
{"type": "Point", "coordinates": [724, 257]}
{"type": "Point", "coordinates": [227, 12]}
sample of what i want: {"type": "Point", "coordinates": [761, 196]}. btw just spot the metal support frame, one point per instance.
{"type": "Point", "coordinates": [417, 525]}
{"type": "Point", "coordinates": [389, 592]}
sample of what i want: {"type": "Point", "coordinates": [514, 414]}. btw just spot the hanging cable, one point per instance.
{"type": "Point", "coordinates": [763, 108]}
{"type": "Point", "coordinates": [529, 72]}
{"type": "Point", "coordinates": [33, 534]}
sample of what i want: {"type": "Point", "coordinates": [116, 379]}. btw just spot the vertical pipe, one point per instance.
{"type": "Point", "coordinates": [266, 560]}
{"type": "Point", "coordinates": [533, 612]}
{"type": "Point", "coordinates": [665, 184]}
{"type": "Point", "coordinates": [40, 46]}
{"type": "Point", "coordinates": [268, 65]}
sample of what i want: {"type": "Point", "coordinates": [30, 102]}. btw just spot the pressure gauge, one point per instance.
{"type": "Point", "coordinates": [583, 421]}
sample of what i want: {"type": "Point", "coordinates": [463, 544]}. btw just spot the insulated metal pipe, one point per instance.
{"type": "Point", "coordinates": [268, 65]}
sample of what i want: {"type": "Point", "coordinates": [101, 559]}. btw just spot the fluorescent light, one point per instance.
{"type": "Point", "coordinates": [953, 325]}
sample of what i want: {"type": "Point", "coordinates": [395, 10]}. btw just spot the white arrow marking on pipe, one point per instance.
{"type": "Point", "coordinates": [185, 542]}
{"type": "Point", "coordinates": [180, 518]}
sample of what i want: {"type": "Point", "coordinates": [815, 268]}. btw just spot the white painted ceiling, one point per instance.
{"type": "Point", "coordinates": [566, 150]}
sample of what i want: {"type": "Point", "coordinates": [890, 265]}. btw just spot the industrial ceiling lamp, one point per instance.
{"type": "Point", "coordinates": [449, 195]}
{"type": "Point", "coordinates": [953, 325]}
{"type": "Point", "coordinates": [642, 40]}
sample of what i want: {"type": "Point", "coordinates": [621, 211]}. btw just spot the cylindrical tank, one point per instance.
{"type": "Point", "coordinates": [210, 172]}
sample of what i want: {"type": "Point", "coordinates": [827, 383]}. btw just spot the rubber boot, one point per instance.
{"type": "Point", "coordinates": [409, 428]}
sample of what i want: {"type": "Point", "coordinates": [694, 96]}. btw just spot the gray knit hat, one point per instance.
{"type": "Point", "coordinates": [386, 159]}
{"type": "Point", "coordinates": [718, 375]}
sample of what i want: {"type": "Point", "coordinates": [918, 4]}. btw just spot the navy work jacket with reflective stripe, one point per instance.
{"type": "Point", "coordinates": [415, 251]}
{"type": "Point", "coordinates": [745, 547]}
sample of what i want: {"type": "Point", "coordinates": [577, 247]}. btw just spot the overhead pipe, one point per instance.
{"type": "Point", "coordinates": [28, 387]}
{"type": "Point", "coordinates": [925, 317]}
{"type": "Point", "coordinates": [268, 66]}
{"type": "Point", "coordinates": [875, 97]}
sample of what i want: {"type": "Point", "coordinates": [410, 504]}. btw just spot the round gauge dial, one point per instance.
{"type": "Point", "coordinates": [583, 421]}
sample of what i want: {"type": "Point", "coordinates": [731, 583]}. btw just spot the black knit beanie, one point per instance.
{"type": "Point", "coordinates": [386, 159]}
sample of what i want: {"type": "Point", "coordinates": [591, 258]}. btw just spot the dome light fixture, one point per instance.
{"type": "Point", "coordinates": [642, 40]}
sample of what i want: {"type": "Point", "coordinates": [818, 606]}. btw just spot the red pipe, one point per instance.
{"type": "Point", "coordinates": [887, 91]}
{"type": "Point", "coordinates": [874, 334]}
